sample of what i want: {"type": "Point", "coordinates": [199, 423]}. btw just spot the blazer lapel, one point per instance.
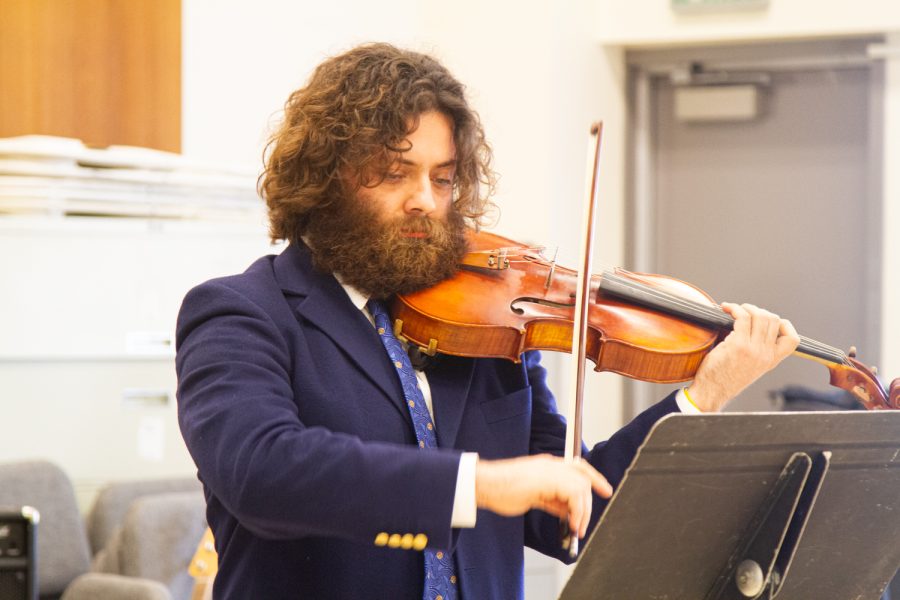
{"type": "Point", "coordinates": [449, 382]}
{"type": "Point", "coordinates": [325, 304]}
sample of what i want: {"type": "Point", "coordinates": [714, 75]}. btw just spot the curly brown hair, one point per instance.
{"type": "Point", "coordinates": [348, 124]}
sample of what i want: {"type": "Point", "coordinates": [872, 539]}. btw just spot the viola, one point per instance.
{"type": "Point", "coordinates": [507, 298]}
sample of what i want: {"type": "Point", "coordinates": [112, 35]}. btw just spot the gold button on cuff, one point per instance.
{"type": "Point", "coordinates": [412, 404]}
{"type": "Point", "coordinates": [420, 541]}
{"type": "Point", "coordinates": [394, 541]}
{"type": "Point", "coordinates": [406, 542]}
{"type": "Point", "coordinates": [453, 579]}
{"type": "Point", "coordinates": [381, 539]}
{"type": "Point", "coordinates": [429, 426]}
{"type": "Point", "coordinates": [398, 364]}
{"type": "Point", "coordinates": [421, 444]}
{"type": "Point", "coordinates": [381, 331]}
{"type": "Point", "coordinates": [438, 597]}
{"type": "Point", "coordinates": [439, 555]}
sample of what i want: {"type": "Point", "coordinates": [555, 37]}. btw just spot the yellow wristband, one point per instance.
{"type": "Point", "coordinates": [689, 399]}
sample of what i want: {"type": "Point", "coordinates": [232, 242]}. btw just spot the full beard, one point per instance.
{"type": "Point", "coordinates": [381, 259]}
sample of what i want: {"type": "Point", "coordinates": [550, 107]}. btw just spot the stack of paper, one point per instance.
{"type": "Point", "coordinates": [53, 175]}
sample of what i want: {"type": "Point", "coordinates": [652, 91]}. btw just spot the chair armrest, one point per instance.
{"type": "Point", "coordinates": [105, 586]}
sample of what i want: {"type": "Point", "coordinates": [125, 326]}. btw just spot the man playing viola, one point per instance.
{"type": "Point", "coordinates": [334, 469]}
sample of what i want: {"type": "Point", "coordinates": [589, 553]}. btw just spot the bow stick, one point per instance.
{"type": "Point", "coordinates": [580, 321]}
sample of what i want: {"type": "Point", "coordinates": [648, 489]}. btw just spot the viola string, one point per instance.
{"type": "Point", "coordinates": [718, 315]}
{"type": "Point", "coordinates": [711, 315]}
{"type": "Point", "coordinates": [715, 315]}
{"type": "Point", "coordinates": [708, 313]}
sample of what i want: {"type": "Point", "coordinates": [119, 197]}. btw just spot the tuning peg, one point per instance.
{"type": "Point", "coordinates": [874, 370]}
{"type": "Point", "coordinates": [852, 352]}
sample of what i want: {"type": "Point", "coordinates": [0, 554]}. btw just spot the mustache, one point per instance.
{"type": "Point", "coordinates": [421, 227]}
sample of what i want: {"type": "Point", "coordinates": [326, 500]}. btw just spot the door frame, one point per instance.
{"type": "Point", "coordinates": [748, 60]}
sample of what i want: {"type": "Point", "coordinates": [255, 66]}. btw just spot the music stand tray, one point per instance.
{"type": "Point", "coordinates": [730, 506]}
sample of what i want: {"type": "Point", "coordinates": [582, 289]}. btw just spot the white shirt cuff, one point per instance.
{"type": "Point", "coordinates": [684, 405]}
{"type": "Point", "coordinates": [465, 509]}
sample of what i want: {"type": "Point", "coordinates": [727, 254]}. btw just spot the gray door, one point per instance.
{"type": "Point", "coordinates": [778, 211]}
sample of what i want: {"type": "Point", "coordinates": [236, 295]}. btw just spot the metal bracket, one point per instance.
{"type": "Point", "coordinates": [431, 350]}
{"type": "Point", "coordinates": [398, 331]}
{"type": "Point", "coordinates": [764, 553]}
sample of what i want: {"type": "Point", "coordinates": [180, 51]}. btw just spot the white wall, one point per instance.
{"type": "Point", "coordinates": [81, 293]}
{"type": "Point", "coordinates": [652, 22]}
{"type": "Point", "coordinates": [242, 59]}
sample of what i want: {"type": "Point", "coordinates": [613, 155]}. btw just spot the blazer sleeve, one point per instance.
{"type": "Point", "coordinates": [278, 477]}
{"type": "Point", "coordinates": [611, 457]}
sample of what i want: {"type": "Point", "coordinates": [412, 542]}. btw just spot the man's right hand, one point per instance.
{"type": "Point", "coordinates": [512, 487]}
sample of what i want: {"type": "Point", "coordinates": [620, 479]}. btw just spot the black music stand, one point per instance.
{"type": "Point", "coordinates": [18, 553]}
{"type": "Point", "coordinates": [732, 506]}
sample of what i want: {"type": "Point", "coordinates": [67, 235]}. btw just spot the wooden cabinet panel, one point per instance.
{"type": "Point", "coordinates": [105, 71]}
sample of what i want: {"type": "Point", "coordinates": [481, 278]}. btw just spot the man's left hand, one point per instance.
{"type": "Point", "coordinates": [758, 342]}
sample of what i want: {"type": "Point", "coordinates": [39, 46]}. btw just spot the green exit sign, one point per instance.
{"type": "Point", "coordinates": [713, 6]}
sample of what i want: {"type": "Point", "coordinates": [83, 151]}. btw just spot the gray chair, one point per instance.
{"type": "Point", "coordinates": [113, 501]}
{"type": "Point", "coordinates": [96, 586]}
{"type": "Point", "coordinates": [142, 547]}
{"type": "Point", "coordinates": [63, 552]}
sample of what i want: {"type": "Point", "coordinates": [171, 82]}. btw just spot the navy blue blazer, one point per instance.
{"type": "Point", "coordinates": [296, 420]}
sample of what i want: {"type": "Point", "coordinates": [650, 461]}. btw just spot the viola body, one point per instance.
{"type": "Point", "coordinates": [507, 298]}
{"type": "Point", "coordinates": [500, 305]}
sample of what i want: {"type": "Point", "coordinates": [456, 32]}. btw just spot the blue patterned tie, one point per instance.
{"type": "Point", "coordinates": [440, 575]}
